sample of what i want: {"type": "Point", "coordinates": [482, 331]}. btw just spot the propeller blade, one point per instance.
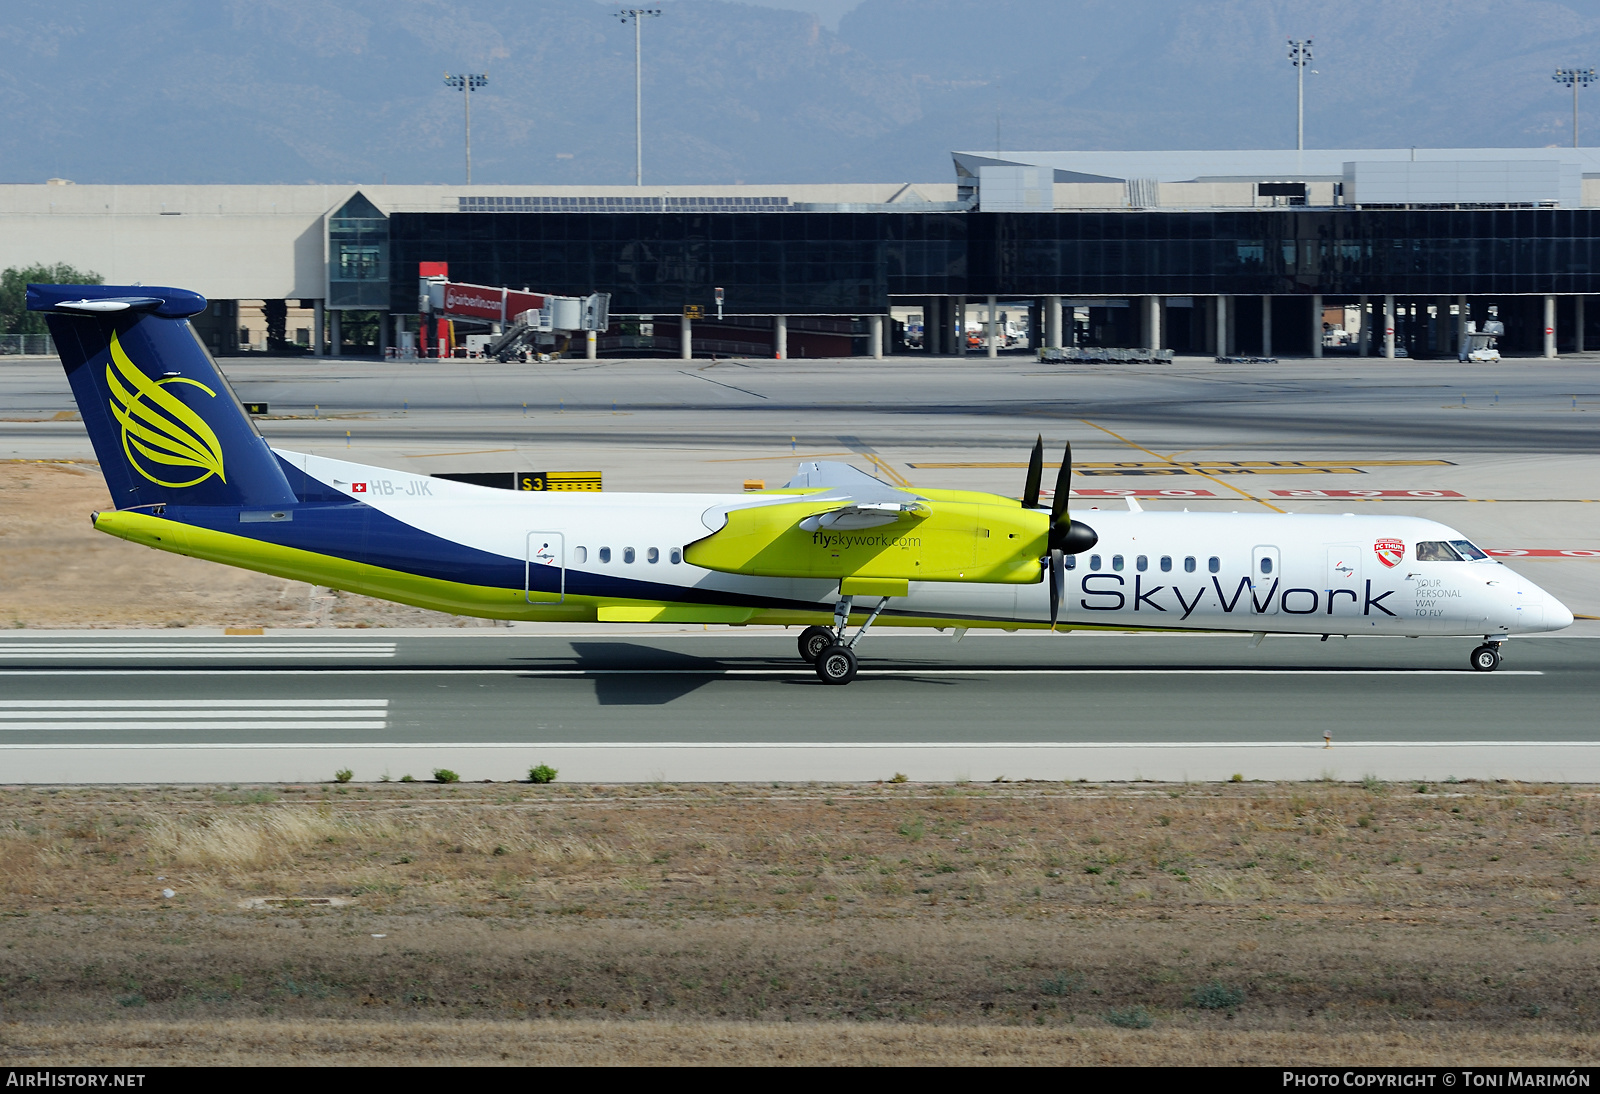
{"type": "Point", "coordinates": [1058, 583]}
{"type": "Point", "coordinates": [1058, 504]}
{"type": "Point", "coordinates": [1030, 490]}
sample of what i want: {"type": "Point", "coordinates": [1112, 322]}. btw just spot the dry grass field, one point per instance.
{"type": "Point", "coordinates": [57, 571]}
{"type": "Point", "coordinates": [1025, 923]}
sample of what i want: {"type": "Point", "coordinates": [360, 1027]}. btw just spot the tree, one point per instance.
{"type": "Point", "coordinates": [15, 318]}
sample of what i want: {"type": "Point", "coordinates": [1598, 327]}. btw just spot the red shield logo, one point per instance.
{"type": "Point", "coordinates": [361, 488]}
{"type": "Point", "coordinates": [1390, 551]}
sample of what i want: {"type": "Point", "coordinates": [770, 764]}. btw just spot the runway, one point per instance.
{"type": "Point", "coordinates": [1507, 455]}
{"type": "Point", "coordinates": [711, 706]}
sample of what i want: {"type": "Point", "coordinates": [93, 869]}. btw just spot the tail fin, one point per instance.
{"type": "Point", "coordinates": [164, 422]}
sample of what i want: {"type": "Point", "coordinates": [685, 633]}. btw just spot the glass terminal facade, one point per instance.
{"type": "Point", "coordinates": [802, 263]}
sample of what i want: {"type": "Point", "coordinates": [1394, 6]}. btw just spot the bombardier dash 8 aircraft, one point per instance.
{"type": "Point", "coordinates": [189, 473]}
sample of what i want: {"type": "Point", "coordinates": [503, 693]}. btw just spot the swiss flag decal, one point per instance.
{"type": "Point", "coordinates": [358, 488]}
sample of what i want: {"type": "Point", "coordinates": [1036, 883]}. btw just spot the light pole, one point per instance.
{"type": "Point", "coordinates": [467, 84]}
{"type": "Point", "coordinates": [638, 16]}
{"type": "Point", "coordinates": [1300, 57]}
{"type": "Point", "coordinates": [1576, 78]}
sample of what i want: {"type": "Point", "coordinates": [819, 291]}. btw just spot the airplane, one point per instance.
{"type": "Point", "coordinates": [189, 473]}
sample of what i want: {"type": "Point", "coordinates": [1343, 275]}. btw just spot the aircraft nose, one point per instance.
{"type": "Point", "coordinates": [1556, 614]}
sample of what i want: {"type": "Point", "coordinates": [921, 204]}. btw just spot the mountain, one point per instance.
{"type": "Point", "coordinates": [352, 90]}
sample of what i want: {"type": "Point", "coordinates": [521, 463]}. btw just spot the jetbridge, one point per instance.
{"type": "Point", "coordinates": [518, 321]}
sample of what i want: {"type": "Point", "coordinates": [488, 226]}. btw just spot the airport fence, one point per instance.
{"type": "Point", "coordinates": [27, 345]}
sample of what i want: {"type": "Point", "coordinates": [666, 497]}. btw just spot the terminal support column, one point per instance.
{"type": "Point", "coordinates": [1152, 322]}
{"type": "Point", "coordinates": [335, 337]}
{"type": "Point", "coordinates": [1052, 322]}
{"type": "Point", "coordinates": [1549, 325]}
{"type": "Point", "coordinates": [994, 348]}
{"type": "Point", "coordinates": [591, 344]}
{"type": "Point", "coordinates": [1461, 328]}
{"type": "Point", "coordinates": [875, 336]}
{"type": "Point", "coordinates": [685, 338]}
{"type": "Point", "coordinates": [960, 326]}
{"type": "Point", "coordinates": [1316, 324]}
{"type": "Point", "coordinates": [1222, 326]}
{"type": "Point", "coordinates": [1577, 302]}
{"type": "Point", "coordinates": [1388, 326]}
{"type": "Point", "coordinates": [780, 337]}
{"type": "Point", "coordinates": [1266, 326]}
{"type": "Point", "coordinates": [318, 335]}
{"type": "Point", "coordinates": [1366, 329]}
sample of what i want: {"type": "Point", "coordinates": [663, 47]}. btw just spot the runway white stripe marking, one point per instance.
{"type": "Point", "coordinates": [110, 715]}
{"type": "Point", "coordinates": [181, 704]}
{"type": "Point", "coordinates": [207, 650]}
{"type": "Point", "coordinates": [7, 717]}
{"type": "Point", "coordinates": [865, 673]}
{"type": "Point", "coordinates": [814, 745]}
{"type": "Point", "coordinates": [110, 726]}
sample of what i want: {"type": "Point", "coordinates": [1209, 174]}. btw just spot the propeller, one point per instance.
{"type": "Point", "coordinates": [1067, 536]}
{"type": "Point", "coordinates": [1030, 490]}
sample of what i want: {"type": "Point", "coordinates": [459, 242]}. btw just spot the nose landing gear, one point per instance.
{"type": "Point", "coordinates": [827, 648]}
{"type": "Point", "coordinates": [813, 640]}
{"type": "Point", "coordinates": [1486, 658]}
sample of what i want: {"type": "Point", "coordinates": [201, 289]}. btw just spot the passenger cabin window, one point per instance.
{"type": "Point", "coordinates": [580, 554]}
{"type": "Point", "coordinates": [1436, 550]}
{"type": "Point", "coordinates": [1072, 562]}
{"type": "Point", "coordinates": [605, 554]}
{"type": "Point", "coordinates": [1214, 564]}
{"type": "Point", "coordinates": [652, 555]}
{"type": "Point", "coordinates": [676, 556]}
{"type": "Point", "coordinates": [1116, 562]}
{"type": "Point", "coordinates": [1266, 564]}
{"type": "Point", "coordinates": [1188, 565]}
{"type": "Point", "coordinates": [627, 554]}
{"type": "Point", "coordinates": [1468, 551]}
{"type": "Point", "coordinates": [1094, 562]}
{"type": "Point", "coordinates": [1142, 563]}
{"type": "Point", "coordinates": [1166, 564]}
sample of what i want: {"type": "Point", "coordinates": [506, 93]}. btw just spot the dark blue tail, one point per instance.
{"type": "Point", "coordinates": [164, 422]}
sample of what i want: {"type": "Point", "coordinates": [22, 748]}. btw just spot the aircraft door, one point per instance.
{"type": "Point", "coordinates": [1265, 580]}
{"type": "Point", "coordinates": [544, 571]}
{"type": "Point", "coordinates": [1344, 579]}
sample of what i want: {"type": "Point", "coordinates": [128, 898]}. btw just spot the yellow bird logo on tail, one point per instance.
{"type": "Point", "coordinates": [158, 431]}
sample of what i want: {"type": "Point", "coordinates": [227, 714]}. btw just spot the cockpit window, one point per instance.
{"type": "Point", "coordinates": [1468, 551]}
{"type": "Point", "coordinates": [1436, 550]}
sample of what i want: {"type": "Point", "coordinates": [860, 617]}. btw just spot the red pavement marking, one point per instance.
{"type": "Point", "coordinates": [1367, 494]}
{"type": "Point", "coordinates": [1146, 493]}
{"type": "Point", "coordinates": [1542, 552]}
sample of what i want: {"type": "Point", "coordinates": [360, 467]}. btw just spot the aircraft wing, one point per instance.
{"type": "Point", "coordinates": [860, 501]}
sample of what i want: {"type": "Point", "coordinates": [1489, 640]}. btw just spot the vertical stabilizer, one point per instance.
{"type": "Point", "coordinates": [164, 422]}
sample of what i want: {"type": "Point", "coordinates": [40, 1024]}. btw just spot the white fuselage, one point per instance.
{"type": "Point", "coordinates": [1251, 572]}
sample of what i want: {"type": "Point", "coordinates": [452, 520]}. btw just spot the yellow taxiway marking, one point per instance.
{"type": "Point", "coordinates": [790, 456]}
{"type": "Point", "coordinates": [1259, 467]}
{"type": "Point", "coordinates": [1192, 470]}
{"type": "Point", "coordinates": [888, 472]}
{"type": "Point", "coordinates": [470, 452]}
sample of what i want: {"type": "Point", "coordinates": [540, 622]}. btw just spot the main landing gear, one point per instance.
{"type": "Point", "coordinates": [1486, 658]}
{"type": "Point", "coordinates": [829, 651]}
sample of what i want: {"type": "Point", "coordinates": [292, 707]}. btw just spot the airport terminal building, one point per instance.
{"type": "Point", "coordinates": [1253, 253]}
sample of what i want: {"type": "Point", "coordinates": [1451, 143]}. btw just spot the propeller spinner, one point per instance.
{"type": "Point", "coordinates": [1067, 536]}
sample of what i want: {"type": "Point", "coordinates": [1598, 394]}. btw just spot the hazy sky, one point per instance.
{"type": "Point", "coordinates": [763, 91]}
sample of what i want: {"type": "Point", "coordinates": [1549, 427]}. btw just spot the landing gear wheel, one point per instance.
{"type": "Point", "coordinates": [1486, 658]}
{"type": "Point", "coordinates": [813, 640]}
{"type": "Point", "coordinates": [836, 665]}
